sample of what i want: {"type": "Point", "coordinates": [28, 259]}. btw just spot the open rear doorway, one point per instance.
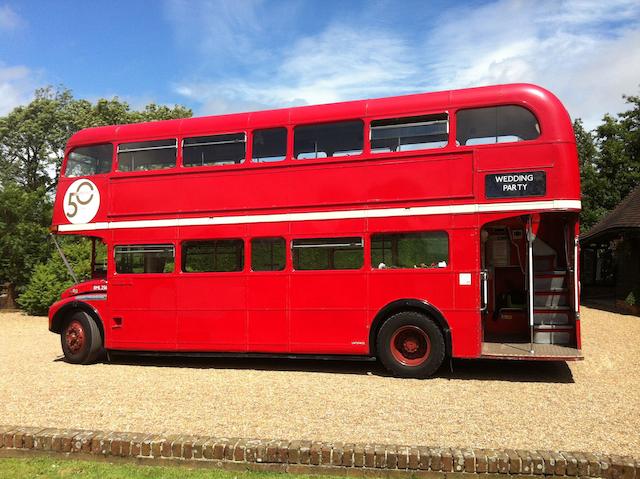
{"type": "Point", "coordinates": [529, 286]}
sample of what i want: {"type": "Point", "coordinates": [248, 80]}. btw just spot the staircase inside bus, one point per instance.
{"type": "Point", "coordinates": [529, 308]}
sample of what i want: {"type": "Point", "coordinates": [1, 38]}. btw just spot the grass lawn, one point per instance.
{"type": "Point", "coordinates": [44, 467]}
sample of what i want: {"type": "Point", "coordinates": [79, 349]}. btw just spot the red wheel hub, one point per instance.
{"type": "Point", "coordinates": [74, 336]}
{"type": "Point", "coordinates": [410, 346]}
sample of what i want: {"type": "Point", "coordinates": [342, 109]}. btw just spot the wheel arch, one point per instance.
{"type": "Point", "coordinates": [60, 315]}
{"type": "Point", "coordinates": [409, 304]}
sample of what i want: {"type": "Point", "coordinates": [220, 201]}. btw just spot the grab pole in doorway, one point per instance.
{"type": "Point", "coordinates": [531, 236]}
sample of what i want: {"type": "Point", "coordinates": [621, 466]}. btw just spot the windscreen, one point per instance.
{"type": "Point", "coordinates": [89, 160]}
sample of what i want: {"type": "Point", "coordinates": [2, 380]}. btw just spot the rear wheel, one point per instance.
{"type": "Point", "coordinates": [411, 345]}
{"type": "Point", "coordinates": [81, 339]}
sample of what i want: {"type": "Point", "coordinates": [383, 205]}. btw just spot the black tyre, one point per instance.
{"type": "Point", "coordinates": [81, 339]}
{"type": "Point", "coordinates": [411, 345]}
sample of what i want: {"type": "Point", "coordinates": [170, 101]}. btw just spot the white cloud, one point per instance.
{"type": "Point", "coordinates": [9, 19]}
{"type": "Point", "coordinates": [219, 24]}
{"type": "Point", "coordinates": [16, 87]}
{"type": "Point", "coordinates": [587, 52]}
{"type": "Point", "coordinates": [229, 31]}
{"type": "Point", "coordinates": [566, 48]}
{"type": "Point", "coordinates": [337, 64]}
{"type": "Point", "coordinates": [592, 83]}
{"type": "Point", "coordinates": [585, 12]}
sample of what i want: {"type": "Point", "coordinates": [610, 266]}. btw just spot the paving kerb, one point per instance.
{"type": "Point", "coordinates": [312, 457]}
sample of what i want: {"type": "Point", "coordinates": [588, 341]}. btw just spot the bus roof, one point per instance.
{"type": "Point", "coordinates": [546, 106]}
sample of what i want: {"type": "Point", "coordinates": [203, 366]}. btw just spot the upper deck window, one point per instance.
{"type": "Point", "coordinates": [229, 149]}
{"type": "Point", "coordinates": [344, 138]}
{"type": "Point", "coordinates": [89, 160]}
{"type": "Point", "coordinates": [409, 133]}
{"type": "Point", "coordinates": [269, 145]}
{"type": "Point", "coordinates": [147, 155]}
{"type": "Point", "coordinates": [498, 124]}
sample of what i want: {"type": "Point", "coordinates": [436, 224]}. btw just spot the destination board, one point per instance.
{"type": "Point", "coordinates": [509, 185]}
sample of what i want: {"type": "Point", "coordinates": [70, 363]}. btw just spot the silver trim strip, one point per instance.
{"type": "Point", "coordinates": [148, 148]}
{"type": "Point", "coordinates": [91, 296]}
{"type": "Point", "coordinates": [189, 145]}
{"type": "Point", "coordinates": [330, 215]}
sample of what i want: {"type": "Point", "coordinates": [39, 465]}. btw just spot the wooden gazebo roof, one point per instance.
{"type": "Point", "coordinates": [624, 216]}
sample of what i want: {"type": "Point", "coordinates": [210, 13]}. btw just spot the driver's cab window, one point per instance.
{"type": "Point", "coordinates": [98, 259]}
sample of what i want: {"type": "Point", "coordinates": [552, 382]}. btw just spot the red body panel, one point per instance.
{"type": "Point", "coordinates": [323, 312]}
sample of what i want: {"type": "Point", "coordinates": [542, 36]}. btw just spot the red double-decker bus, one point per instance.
{"type": "Point", "coordinates": [408, 229]}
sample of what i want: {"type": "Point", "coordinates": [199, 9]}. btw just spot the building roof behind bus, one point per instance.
{"type": "Point", "coordinates": [624, 217]}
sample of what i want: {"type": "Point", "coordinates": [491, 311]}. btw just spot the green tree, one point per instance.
{"type": "Point", "coordinates": [33, 137]}
{"type": "Point", "coordinates": [24, 219]}
{"type": "Point", "coordinates": [615, 166]}
{"type": "Point", "coordinates": [609, 162]}
{"type": "Point", "coordinates": [52, 278]}
{"type": "Point", "coordinates": [592, 185]}
{"type": "Point", "coordinates": [32, 142]}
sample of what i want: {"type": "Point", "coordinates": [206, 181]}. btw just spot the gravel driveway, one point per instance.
{"type": "Point", "coordinates": [592, 405]}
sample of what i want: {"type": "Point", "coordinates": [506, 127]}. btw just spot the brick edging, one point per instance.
{"type": "Point", "coordinates": [315, 456]}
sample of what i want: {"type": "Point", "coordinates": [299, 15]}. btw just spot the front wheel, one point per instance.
{"type": "Point", "coordinates": [411, 345]}
{"type": "Point", "coordinates": [81, 339]}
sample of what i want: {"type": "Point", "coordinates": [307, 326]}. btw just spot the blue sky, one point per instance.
{"type": "Point", "coordinates": [219, 56]}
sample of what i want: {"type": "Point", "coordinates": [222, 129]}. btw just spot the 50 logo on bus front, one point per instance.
{"type": "Point", "coordinates": [81, 201]}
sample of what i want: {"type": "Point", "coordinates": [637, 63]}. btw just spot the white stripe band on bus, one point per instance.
{"type": "Point", "coordinates": [561, 205]}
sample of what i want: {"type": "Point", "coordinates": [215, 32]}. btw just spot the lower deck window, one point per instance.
{"type": "Point", "coordinates": [328, 253]}
{"type": "Point", "coordinates": [211, 256]}
{"type": "Point", "coordinates": [410, 250]}
{"type": "Point", "coordinates": [268, 254]}
{"type": "Point", "coordinates": [138, 259]}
